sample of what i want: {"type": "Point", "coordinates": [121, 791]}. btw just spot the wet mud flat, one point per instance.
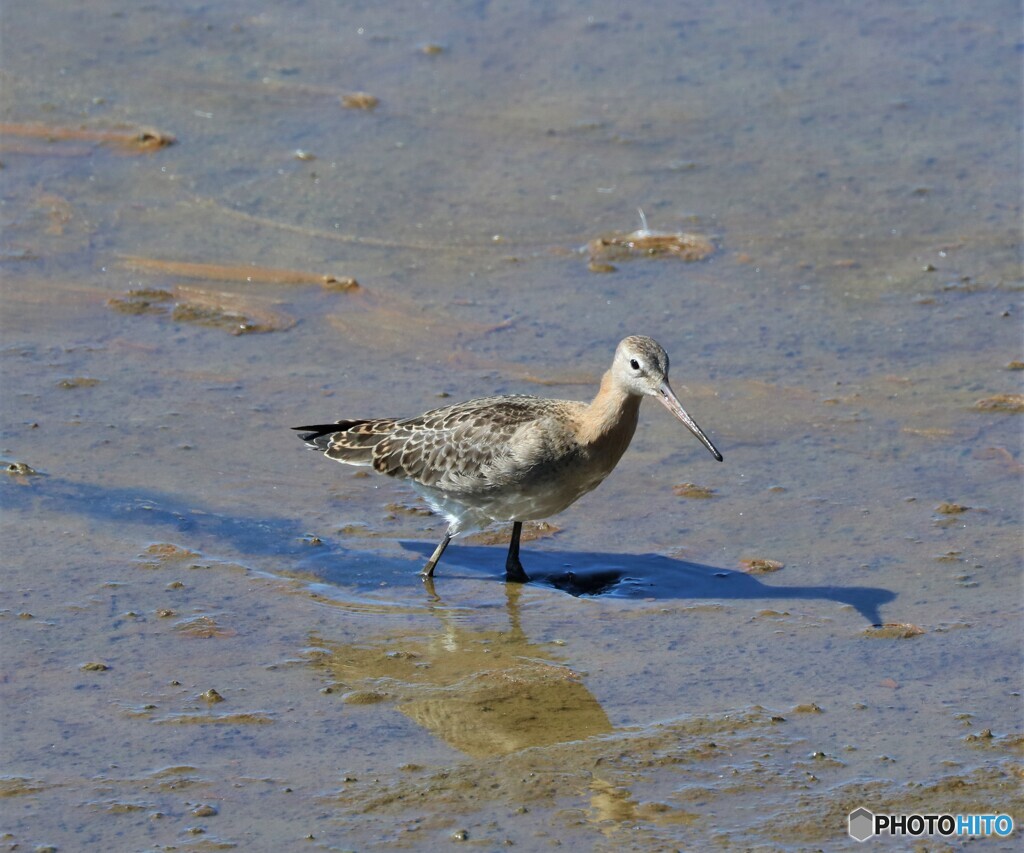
{"type": "Point", "coordinates": [173, 697]}
{"type": "Point", "coordinates": [211, 639]}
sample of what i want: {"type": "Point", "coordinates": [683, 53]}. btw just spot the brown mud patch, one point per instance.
{"type": "Point", "coordinates": [236, 314]}
{"type": "Point", "coordinates": [124, 140]}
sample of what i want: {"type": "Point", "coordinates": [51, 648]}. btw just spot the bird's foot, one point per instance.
{"type": "Point", "coordinates": [514, 572]}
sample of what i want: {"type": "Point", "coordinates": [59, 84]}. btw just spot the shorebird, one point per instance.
{"type": "Point", "coordinates": [514, 457]}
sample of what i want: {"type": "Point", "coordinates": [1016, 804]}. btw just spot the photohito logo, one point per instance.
{"type": "Point", "coordinates": [864, 824]}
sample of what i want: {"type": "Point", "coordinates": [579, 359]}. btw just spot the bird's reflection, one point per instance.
{"type": "Point", "coordinates": [614, 807]}
{"type": "Point", "coordinates": [485, 692]}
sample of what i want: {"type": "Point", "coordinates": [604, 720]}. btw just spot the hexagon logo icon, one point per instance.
{"type": "Point", "coordinates": [861, 824]}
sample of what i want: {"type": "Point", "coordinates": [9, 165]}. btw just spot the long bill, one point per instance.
{"type": "Point", "coordinates": [671, 402]}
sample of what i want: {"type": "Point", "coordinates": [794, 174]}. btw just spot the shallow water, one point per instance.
{"type": "Point", "coordinates": [858, 171]}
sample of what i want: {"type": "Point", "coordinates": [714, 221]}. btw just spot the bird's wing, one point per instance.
{"type": "Point", "coordinates": [460, 448]}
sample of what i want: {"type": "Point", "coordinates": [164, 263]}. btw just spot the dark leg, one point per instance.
{"type": "Point", "coordinates": [428, 569]}
{"type": "Point", "coordinates": [513, 568]}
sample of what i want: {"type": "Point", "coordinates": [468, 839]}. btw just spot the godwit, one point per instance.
{"type": "Point", "coordinates": [510, 458]}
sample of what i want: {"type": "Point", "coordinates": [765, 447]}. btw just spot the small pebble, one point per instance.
{"type": "Point", "coordinates": [360, 101]}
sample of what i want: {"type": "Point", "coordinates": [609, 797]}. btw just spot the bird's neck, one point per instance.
{"type": "Point", "coordinates": [610, 419]}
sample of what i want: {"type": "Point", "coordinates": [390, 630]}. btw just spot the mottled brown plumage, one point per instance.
{"type": "Point", "coordinates": [510, 458]}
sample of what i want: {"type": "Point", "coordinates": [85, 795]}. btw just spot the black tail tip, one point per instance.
{"type": "Point", "coordinates": [315, 431]}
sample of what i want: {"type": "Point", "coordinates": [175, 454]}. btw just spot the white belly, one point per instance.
{"type": "Point", "coordinates": [520, 503]}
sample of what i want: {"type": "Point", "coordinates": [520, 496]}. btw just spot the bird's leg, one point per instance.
{"type": "Point", "coordinates": [428, 569]}
{"type": "Point", "coordinates": [513, 568]}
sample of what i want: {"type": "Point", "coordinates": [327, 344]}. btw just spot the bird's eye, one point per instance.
{"type": "Point", "coordinates": [634, 364]}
